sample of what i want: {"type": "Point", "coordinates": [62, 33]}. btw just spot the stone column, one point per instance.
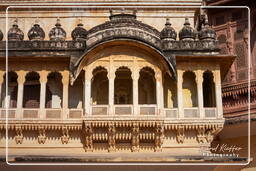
{"type": "Point", "coordinates": [159, 92]}
{"type": "Point", "coordinates": [87, 90]}
{"type": "Point", "coordinates": [218, 93]}
{"type": "Point", "coordinates": [43, 81]}
{"type": "Point", "coordinates": [200, 98]}
{"type": "Point", "coordinates": [135, 79]}
{"type": "Point", "coordinates": [65, 84]}
{"type": "Point", "coordinates": [21, 80]}
{"type": "Point", "coordinates": [180, 93]}
{"type": "Point", "coordinates": [111, 90]}
{"type": "Point", "coordinates": [1, 83]}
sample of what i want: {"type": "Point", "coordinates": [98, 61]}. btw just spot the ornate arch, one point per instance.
{"type": "Point", "coordinates": [155, 53]}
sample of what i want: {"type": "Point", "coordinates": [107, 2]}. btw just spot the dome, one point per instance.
{"type": "Point", "coordinates": [168, 32]}
{"type": "Point", "coordinates": [57, 33]}
{"type": "Point", "coordinates": [36, 32]}
{"type": "Point", "coordinates": [187, 32]}
{"type": "Point", "coordinates": [207, 33]}
{"type": "Point", "coordinates": [79, 33]}
{"type": "Point", "coordinates": [1, 35]}
{"type": "Point", "coordinates": [15, 33]}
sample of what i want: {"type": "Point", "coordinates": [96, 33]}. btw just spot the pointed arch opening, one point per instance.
{"type": "Point", "coordinates": [99, 86]}
{"type": "Point", "coordinates": [147, 86]}
{"type": "Point", "coordinates": [209, 89]}
{"type": "Point", "coordinates": [123, 86]}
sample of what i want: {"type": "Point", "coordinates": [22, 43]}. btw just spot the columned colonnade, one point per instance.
{"type": "Point", "coordinates": [111, 68]}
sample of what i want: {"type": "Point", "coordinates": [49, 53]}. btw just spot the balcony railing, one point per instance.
{"type": "Point", "coordinates": [11, 113]}
{"type": "Point", "coordinates": [123, 109]}
{"type": "Point", "coordinates": [100, 110]}
{"type": "Point", "coordinates": [171, 113]}
{"type": "Point", "coordinates": [210, 112]}
{"type": "Point", "coordinates": [30, 113]}
{"type": "Point", "coordinates": [192, 112]}
{"type": "Point", "coordinates": [75, 113]}
{"type": "Point", "coordinates": [148, 109]}
{"type": "Point", "coordinates": [103, 110]}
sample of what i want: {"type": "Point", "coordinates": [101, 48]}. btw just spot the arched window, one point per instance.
{"type": "Point", "coordinates": [31, 97]}
{"type": "Point", "coordinates": [11, 96]}
{"type": "Point", "coordinates": [189, 89]}
{"type": "Point", "coordinates": [76, 92]}
{"type": "Point", "coordinates": [99, 86]}
{"type": "Point", "coordinates": [123, 86]}
{"type": "Point", "coordinates": [170, 92]}
{"type": "Point", "coordinates": [147, 86]}
{"type": "Point", "coordinates": [54, 90]}
{"type": "Point", "coordinates": [209, 90]}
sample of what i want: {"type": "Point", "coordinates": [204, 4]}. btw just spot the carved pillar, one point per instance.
{"type": "Point", "coordinates": [1, 83]}
{"type": "Point", "coordinates": [21, 79]}
{"type": "Point", "coordinates": [111, 137]}
{"type": "Point", "coordinates": [19, 135]}
{"type": "Point", "coordinates": [65, 135]}
{"type": "Point", "coordinates": [200, 98]}
{"type": "Point", "coordinates": [88, 144]}
{"type": "Point", "coordinates": [43, 81]}
{"type": "Point", "coordinates": [41, 135]}
{"type": "Point", "coordinates": [159, 137]}
{"type": "Point", "coordinates": [135, 137]}
{"type": "Point", "coordinates": [180, 134]}
{"type": "Point", "coordinates": [159, 92]}
{"type": "Point", "coordinates": [135, 79]}
{"type": "Point", "coordinates": [111, 91]}
{"type": "Point", "coordinates": [180, 93]}
{"type": "Point", "coordinates": [217, 79]}
{"type": "Point", "coordinates": [87, 90]}
{"type": "Point", "coordinates": [65, 83]}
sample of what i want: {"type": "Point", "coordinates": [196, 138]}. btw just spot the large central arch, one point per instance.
{"type": "Point", "coordinates": [99, 50]}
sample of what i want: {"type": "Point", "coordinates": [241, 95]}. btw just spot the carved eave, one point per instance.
{"type": "Point", "coordinates": [224, 61]}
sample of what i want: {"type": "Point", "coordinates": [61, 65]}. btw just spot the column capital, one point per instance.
{"type": "Point", "coordinates": [158, 76]}
{"type": "Point", "coordinates": [65, 77]}
{"type": "Point", "coordinates": [199, 77]}
{"type": "Point", "coordinates": [43, 76]}
{"type": "Point", "coordinates": [135, 75]}
{"type": "Point", "coordinates": [21, 76]}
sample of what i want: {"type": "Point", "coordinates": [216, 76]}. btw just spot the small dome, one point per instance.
{"type": "Point", "coordinates": [1, 35]}
{"type": "Point", "coordinates": [57, 33]}
{"type": "Point", "coordinates": [79, 33]}
{"type": "Point", "coordinates": [168, 32]}
{"type": "Point", "coordinates": [187, 32]}
{"type": "Point", "coordinates": [207, 33]}
{"type": "Point", "coordinates": [15, 33]}
{"type": "Point", "coordinates": [36, 32]}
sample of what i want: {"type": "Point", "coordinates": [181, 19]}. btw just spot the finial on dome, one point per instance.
{"type": "Point", "coordinates": [80, 24]}
{"type": "Point", "coordinates": [58, 22]}
{"type": "Point", "coordinates": [168, 23]}
{"type": "Point", "coordinates": [15, 22]}
{"type": "Point", "coordinates": [186, 21]}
